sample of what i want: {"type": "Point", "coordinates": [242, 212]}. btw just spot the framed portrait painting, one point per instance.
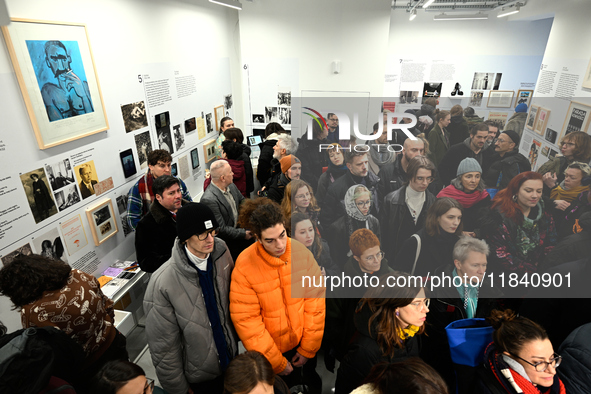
{"type": "Point", "coordinates": [57, 76]}
{"type": "Point", "coordinates": [101, 218]}
{"type": "Point", "coordinates": [219, 114]}
{"type": "Point", "coordinates": [577, 118]}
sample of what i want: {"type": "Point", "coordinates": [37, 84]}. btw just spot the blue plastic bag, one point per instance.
{"type": "Point", "coordinates": [468, 338]}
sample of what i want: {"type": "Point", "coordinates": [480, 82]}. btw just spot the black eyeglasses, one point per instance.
{"type": "Point", "coordinates": [149, 387]}
{"type": "Point", "coordinates": [203, 236]}
{"type": "Point", "coordinates": [543, 365]}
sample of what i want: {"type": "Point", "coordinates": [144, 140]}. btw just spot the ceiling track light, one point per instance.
{"type": "Point", "coordinates": [428, 3]}
{"type": "Point", "coordinates": [510, 11]}
{"type": "Point", "coordinates": [455, 17]}
{"type": "Point", "coordinates": [413, 15]}
{"type": "Point", "coordinates": [228, 3]}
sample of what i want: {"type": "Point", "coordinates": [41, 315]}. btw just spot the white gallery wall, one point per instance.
{"type": "Point", "coordinates": [153, 39]}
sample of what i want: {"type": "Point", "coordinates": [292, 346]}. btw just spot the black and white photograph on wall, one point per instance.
{"type": "Point", "coordinates": [143, 145]}
{"type": "Point", "coordinates": [258, 118]}
{"type": "Point", "coordinates": [174, 170]}
{"type": "Point", "coordinates": [179, 138]}
{"type": "Point", "coordinates": [24, 250]}
{"type": "Point", "coordinates": [39, 198]}
{"type": "Point", "coordinates": [122, 204]}
{"type": "Point", "coordinates": [60, 174]}
{"type": "Point", "coordinates": [284, 96]}
{"type": "Point", "coordinates": [101, 215]}
{"type": "Point", "coordinates": [552, 153]}
{"type": "Point", "coordinates": [228, 102]}
{"type": "Point", "coordinates": [67, 197]}
{"type": "Point", "coordinates": [50, 245]}
{"type": "Point", "coordinates": [271, 115]}
{"type": "Point", "coordinates": [432, 89]}
{"type": "Point", "coordinates": [284, 115]}
{"type": "Point", "coordinates": [409, 97]}
{"type": "Point", "coordinates": [476, 98]}
{"type": "Point", "coordinates": [190, 125]}
{"type": "Point", "coordinates": [486, 81]}
{"type": "Point", "coordinates": [165, 139]}
{"type": "Point", "coordinates": [134, 116]}
{"type": "Point", "coordinates": [551, 135]}
{"type": "Point", "coordinates": [208, 121]}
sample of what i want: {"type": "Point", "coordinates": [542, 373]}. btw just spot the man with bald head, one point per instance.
{"type": "Point", "coordinates": [224, 198]}
{"type": "Point", "coordinates": [393, 175]}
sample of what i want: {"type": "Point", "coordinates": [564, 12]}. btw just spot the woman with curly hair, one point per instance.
{"type": "Point", "coordinates": [274, 309]}
{"type": "Point", "coordinates": [519, 229]}
{"type": "Point", "coordinates": [299, 197]}
{"type": "Point", "coordinates": [520, 359]}
{"type": "Point", "coordinates": [50, 293]}
{"type": "Point", "coordinates": [388, 320]}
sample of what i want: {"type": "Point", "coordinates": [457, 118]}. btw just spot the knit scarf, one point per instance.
{"type": "Point", "coordinates": [558, 193]}
{"type": "Point", "coordinates": [408, 332]}
{"type": "Point", "coordinates": [465, 199]}
{"type": "Point", "coordinates": [336, 171]}
{"type": "Point", "coordinates": [528, 234]}
{"type": "Point", "coordinates": [382, 156]}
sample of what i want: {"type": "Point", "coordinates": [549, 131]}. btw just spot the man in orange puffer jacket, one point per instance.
{"type": "Point", "coordinates": [273, 308]}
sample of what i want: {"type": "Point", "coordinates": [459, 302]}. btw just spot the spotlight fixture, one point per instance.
{"type": "Point", "coordinates": [510, 11]}
{"type": "Point", "coordinates": [413, 14]}
{"type": "Point", "coordinates": [228, 3]}
{"type": "Point", "coordinates": [428, 3]}
{"type": "Point", "coordinates": [455, 17]}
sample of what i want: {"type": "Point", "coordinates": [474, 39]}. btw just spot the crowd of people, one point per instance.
{"type": "Point", "coordinates": [259, 266]}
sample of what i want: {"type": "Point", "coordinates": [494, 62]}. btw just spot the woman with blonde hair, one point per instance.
{"type": "Point", "coordinates": [299, 197]}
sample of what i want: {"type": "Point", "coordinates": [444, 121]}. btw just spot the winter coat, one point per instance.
{"type": "Point", "coordinates": [448, 167]}
{"type": "Point", "coordinates": [338, 234]}
{"type": "Point", "coordinates": [516, 123]}
{"type": "Point", "coordinates": [154, 237]}
{"type": "Point", "coordinates": [239, 177]}
{"type": "Point", "coordinates": [446, 307]}
{"type": "Point", "coordinates": [245, 157]}
{"type": "Point", "coordinates": [327, 178]}
{"type": "Point", "coordinates": [215, 200]}
{"type": "Point", "coordinates": [458, 130]}
{"type": "Point", "coordinates": [397, 223]}
{"type": "Point", "coordinates": [575, 370]}
{"type": "Point", "coordinates": [569, 220]}
{"type": "Point", "coordinates": [334, 208]}
{"type": "Point", "coordinates": [276, 188]}
{"type": "Point", "coordinates": [264, 166]}
{"type": "Point", "coordinates": [473, 120]}
{"type": "Point", "coordinates": [365, 352]}
{"type": "Point", "coordinates": [503, 236]}
{"type": "Point", "coordinates": [572, 248]}
{"type": "Point", "coordinates": [438, 144]}
{"type": "Point", "coordinates": [270, 309]}
{"type": "Point", "coordinates": [325, 259]}
{"type": "Point", "coordinates": [505, 168]}
{"type": "Point", "coordinates": [312, 159]}
{"type": "Point", "coordinates": [556, 165]}
{"type": "Point", "coordinates": [177, 324]}
{"type": "Point", "coordinates": [436, 251]}
{"type": "Point", "coordinates": [392, 176]}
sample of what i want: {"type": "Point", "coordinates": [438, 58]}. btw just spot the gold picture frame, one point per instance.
{"type": "Point", "coordinates": [500, 98]}
{"type": "Point", "coordinates": [542, 121]}
{"type": "Point", "coordinates": [576, 109]}
{"type": "Point", "coordinates": [102, 221]}
{"type": "Point", "coordinates": [532, 116]}
{"type": "Point", "coordinates": [57, 76]}
{"type": "Point", "coordinates": [209, 150]}
{"type": "Point", "coordinates": [219, 115]}
{"type": "Point", "coordinates": [524, 96]}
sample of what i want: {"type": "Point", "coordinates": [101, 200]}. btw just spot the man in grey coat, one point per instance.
{"type": "Point", "coordinates": [190, 333]}
{"type": "Point", "coordinates": [224, 199]}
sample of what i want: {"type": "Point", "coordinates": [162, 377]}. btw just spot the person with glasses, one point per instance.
{"type": "Point", "coordinates": [188, 326]}
{"type": "Point", "coordinates": [358, 201]}
{"type": "Point", "coordinates": [366, 257]}
{"type": "Point", "coordinates": [404, 211]}
{"type": "Point", "coordinates": [299, 197]}
{"type": "Point", "coordinates": [575, 146]}
{"type": "Point", "coordinates": [274, 309]}
{"type": "Point", "coordinates": [389, 320]}
{"type": "Point", "coordinates": [506, 163]}
{"type": "Point", "coordinates": [433, 243]}
{"type": "Point", "coordinates": [122, 377]}
{"type": "Point", "coordinates": [520, 359]}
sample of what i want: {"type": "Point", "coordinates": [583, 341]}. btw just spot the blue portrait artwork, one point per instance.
{"type": "Point", "coordinates": [60, 74]}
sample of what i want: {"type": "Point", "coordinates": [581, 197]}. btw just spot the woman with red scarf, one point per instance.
{"type": "Point", "coordinates": [520, 359]}
{"type": "Point", "coordinates": [468, 189]}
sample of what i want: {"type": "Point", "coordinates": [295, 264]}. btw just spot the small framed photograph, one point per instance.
{"type": "Point", "coordinates": [101, 218]}
{"type": "Point", "coordinates": [577, 118]}
{"type": "Point", "coordinates": [174, 170]}
{"type": "Point", "coordinates": [209, 150]}
{"type": "Point", "coordinates": [195, 158]}
{"type": "Point", "coordinates": [531, 118]}
{"type": "Point", "coordinates": [56, 73]}
{"type": "Point", "coordinates": [500, 98]}
{"type": "Point", "coordinates": [524, 97]}
{"type": "Point", "coordinates": [219, 114]}
{"type": "Point", "coordinates": [542, 120]}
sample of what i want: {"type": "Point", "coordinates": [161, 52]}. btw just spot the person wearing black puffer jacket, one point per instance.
{"type": "Point", "coordinates": [264, 167]}
{"type": "Point", "coordinates": [313, 159]}
{"type": "Point", "coordinates": [575, 369]}
{"type": "Point", "coordinates": [458, 127]}
{"type": "Point", "coordinates": [336, 168]}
